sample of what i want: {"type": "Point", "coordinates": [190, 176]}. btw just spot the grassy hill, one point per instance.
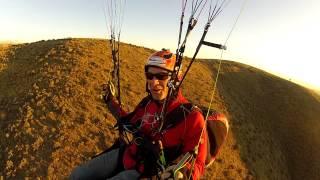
{"type": "Point", "coordinates": [52, 118]}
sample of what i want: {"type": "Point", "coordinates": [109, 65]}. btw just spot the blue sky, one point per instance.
{"type": "Point", "coordinates": [278, 36]}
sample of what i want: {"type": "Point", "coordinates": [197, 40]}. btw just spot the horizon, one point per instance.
{"type": "Point", "coordinates": [296, 81]}
{"type": "Point", "coordinates": [282, 42]}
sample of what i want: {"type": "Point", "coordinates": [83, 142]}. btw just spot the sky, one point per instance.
{"type": "Point", "coordinates": [280, 37]}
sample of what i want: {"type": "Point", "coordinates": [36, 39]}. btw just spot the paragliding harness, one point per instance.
{"type": "Point", "coordinates": [152, 155]}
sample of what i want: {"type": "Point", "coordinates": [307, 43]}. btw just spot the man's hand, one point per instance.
{"type": "Point", "coordinates": [168, 174]}
{"type": "Point", "coordinates": [108, 91]}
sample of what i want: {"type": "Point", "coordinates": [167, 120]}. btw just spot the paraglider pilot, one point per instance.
{"type": "Point", "coordinates": [157, 145]}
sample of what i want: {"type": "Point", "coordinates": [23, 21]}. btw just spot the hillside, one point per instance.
{"type": "Point", "coordinates": [52, 118]}
{"type": "Point", "coordinates": [277, 122]}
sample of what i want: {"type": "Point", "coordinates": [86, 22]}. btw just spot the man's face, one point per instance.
{"type": "Point", "coordinates": [157, 80]}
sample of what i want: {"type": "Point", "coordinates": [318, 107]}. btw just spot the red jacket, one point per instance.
{"type": "Point", "coordinates": [186, 133]}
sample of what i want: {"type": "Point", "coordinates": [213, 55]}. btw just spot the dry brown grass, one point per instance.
{"type": "Point", "coordinates": [52, 118]}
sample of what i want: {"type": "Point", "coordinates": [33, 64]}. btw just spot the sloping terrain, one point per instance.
{"type": "Point", "coordinates": [276, 122]}
{"type": "Point", "coordinates": [52, 117]}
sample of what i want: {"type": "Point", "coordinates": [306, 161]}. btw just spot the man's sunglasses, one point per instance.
{"type": "Point", "coordinates": [159, 76]}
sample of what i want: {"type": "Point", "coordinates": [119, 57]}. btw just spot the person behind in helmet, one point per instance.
{"type": "Point", "coordinates": [157, 146]}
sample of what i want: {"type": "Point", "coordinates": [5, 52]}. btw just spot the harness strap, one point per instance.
{"type": "Point", "coordinates": [126, 119]}
{"type": "Point", "coordinates": [178, 114]}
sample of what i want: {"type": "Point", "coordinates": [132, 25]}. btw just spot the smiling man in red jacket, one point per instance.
{"type": "Point", "coordinates": [158, 145]}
